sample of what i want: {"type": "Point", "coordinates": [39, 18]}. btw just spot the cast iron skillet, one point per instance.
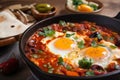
{"type": "Point", "coordinates": [112, 23]}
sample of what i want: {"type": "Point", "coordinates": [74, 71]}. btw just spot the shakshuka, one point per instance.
{"type": "Point", "coordinates": [74, 49]}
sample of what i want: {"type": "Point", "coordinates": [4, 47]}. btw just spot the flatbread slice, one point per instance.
{"type": "Point", "coordinates": [10, 26]}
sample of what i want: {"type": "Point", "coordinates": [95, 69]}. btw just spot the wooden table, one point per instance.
{"type": "Point", "coordinates": [111, 8]}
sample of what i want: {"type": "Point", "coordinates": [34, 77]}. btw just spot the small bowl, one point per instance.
{"type": "Point", "coordinates": [70, 8]}
{"type": "Point", "coordinates": [39, 15]}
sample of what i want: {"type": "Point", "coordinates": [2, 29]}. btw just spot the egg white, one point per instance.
{"type": "Point", "coordinates": [57, 34]}
{"type": "Point", "coordinates": [80, 54]}
{"type": "Point", "coordinates": [60, 52]}
{"type": "Point", "coordinates": [56, 51]}
{"type": "Point", "coordinates": [79, 38]}
{"type": "Point", "coordinates": [75, 54]}
{"type": "Point", "coordinates": [115, 52]}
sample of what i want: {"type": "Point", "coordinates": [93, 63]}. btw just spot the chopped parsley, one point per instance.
{"type": "Point", "coordinates": [101, 45]}
{"type": "Point", "coordinates": [81, 44]}
{"type": "Point", "coordinates": [113, 46]}
{"type": "Point", "coordinates": [75, 37]}
{"type": "Point", "coordinates": [93, 43]}
{"type": "Point", "coordinates": [90, 73]}
{"type": "Point", "coordinates": [47, 32]}
{"type": "Point", "coordinates": [60, 61]}
{"type": "Point", "coordinates": [68, 67]}
{"type": "Point", "coordinates": [99, 36]}
{"type": "Point", "coordinates": [62, 23]}
{"type": "Point", "coordinates": [85, 63]}
{"type": "Point", "coordinates": [77, 2]}
{"type": "Point", "coordinates": [69, 35]}
{"type": "Point", "coordinates": [93, 6]}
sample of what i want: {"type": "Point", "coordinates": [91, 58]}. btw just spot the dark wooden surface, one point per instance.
{"type": "Point", "coordinates": [111, 8]}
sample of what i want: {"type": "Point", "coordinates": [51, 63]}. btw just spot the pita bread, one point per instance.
{"type": "Point", "coordinates": [10, 26]}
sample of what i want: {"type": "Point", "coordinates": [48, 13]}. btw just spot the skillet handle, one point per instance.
{"type": "Point", "coordinates": [117, 16]}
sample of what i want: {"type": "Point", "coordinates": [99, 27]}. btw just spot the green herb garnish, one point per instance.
{"type": "Point", "coordinates": [68, 67]}
{"type": "Point", "coordinates": [99, 36]}
{"type": "Point", "coordinates": [75, 37]}
{"type": "Point", "coordinates": [101, 45]}
{"type": "Point", "coordinates": [93, 6]}
{"type": "Point", "coordinates": [94, 43]}
{"type": "Point", "coordinates": [113, 46]}
{"type": "Point", "coordinates": [62, 23]}
{"type": "Point", "coordinates": [60, 61]}
{"type": "Point", "coordinates": [90, 73]}
{"type": "Point", "coordinates": [47, 32]}
{"type": "Point", "coordinates": [68, 35]}
{"type": "Point", "coordinates": [81, 44]}
{"type": "Point", "coordinates": [85, 63]}
{"type": "Point", "coordinates": [77, 2]}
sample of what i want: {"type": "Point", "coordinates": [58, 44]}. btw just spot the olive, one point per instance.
{"type": "Point", "coordinates": [43, 8]}
{"type": "Point", "coordinates": [96, 35]}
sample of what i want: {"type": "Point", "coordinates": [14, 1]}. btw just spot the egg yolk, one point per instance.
{"type": "Point", "coordinates": [96, 53]}
{"type": "Point", "coordinates": [85, 8]}
{"type": "Point", "coordinates": [63, 43]}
